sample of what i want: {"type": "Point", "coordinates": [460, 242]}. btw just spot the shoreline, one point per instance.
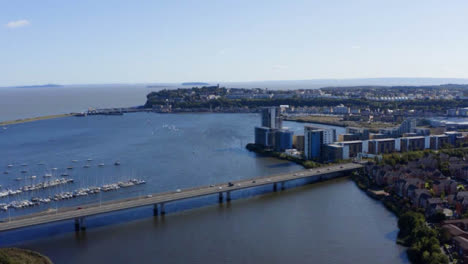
{"type": "Point", "coordinates": [18, 255]}
{"type": "Point", "coordinates": [32, 119]}
{"type": "Point", "coordinates": [330, 123]}
{"type": "Point", "coordinates": [126, 111]}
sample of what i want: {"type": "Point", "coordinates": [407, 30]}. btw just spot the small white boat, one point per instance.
{"type": "Point", "coordinates": [33, 177]}
{"type": "Point", "coordinates": [89, 159]}
{"type": "Point", "coordinates": [24, 164]}
{"type": "Point", "coordinates": [64, 174]}
{"type": "Point", "coordinates": [117, 163]}
{"type": "Point", "coordinates": [75, 161]}
{"type": "Point", "coordinates": [10, 165]}
{"type": "Point", "coordinates": [40, 163]}
{"type": "Point", "coordinates": [18, 179]}
{"type": "Point", "coordinates": [86, 166]}
{"type": "Point", "coordinates": [101, 165]}
{"type": "Point", "coordinates": [54, 169]}
{"type": "Point", "coordinates": [47, 175]}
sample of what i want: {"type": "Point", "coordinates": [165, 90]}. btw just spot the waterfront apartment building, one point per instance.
{"type": "Point", "coordinates": [353, 147]}
{"type": "Point", "coordinates": [283, 139]}
{"type": "Point", "coordinates": [329, 134]}
{"type": "Point", "coordinates": [265, 136]}
{"type": "Point", "coordinates": [271, 123]}
{"type": "Point", "coordinates": [381, 146]}
{"type": "Point", "coordinates": [348, 137]}
{"type": "Point", "coordinates": [334, 152]}
{"type": "Point", "coordinates": [453, 136]}
{"type": "Point", "coordinates": [313, 141]}
{"type": "Point", "coordinates": [298, 142]}
{"type": "Point", "coordinates": [359, 132]}
{"type": "Point", "coordinates": [407, 126]}
{"type": "Point", "coordinates": [262, 136]}
{"type": "Point", "coordinates": [271, 117]}
{"type": "Point", "coordinates": [438, 141]}
{"type": "Point", "coordinates": [412, 144]}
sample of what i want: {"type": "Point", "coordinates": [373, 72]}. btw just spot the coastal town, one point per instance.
{"type": "Point", "coordinates": [411, 149]}
{"type": "Point", "coordinates": [329, 132]}
{"type": "Point", "coordinates": [407, 167]}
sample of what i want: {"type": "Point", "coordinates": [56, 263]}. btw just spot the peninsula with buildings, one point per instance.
{"type": "Point", "coordinates": [372, 107]}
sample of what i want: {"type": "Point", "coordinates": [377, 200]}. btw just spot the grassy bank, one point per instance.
{"type": "Point", "coordinates": [22, 256]}
{"type": "Point", "coordinates": [338, 121]}
{"type": "Point", "coordinates": [308, 164]}
{"type": "Point", "coordinates": [32, 119]}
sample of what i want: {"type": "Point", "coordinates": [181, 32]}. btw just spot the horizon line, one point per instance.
{"type": "Point", "coordinates": [251, 81]}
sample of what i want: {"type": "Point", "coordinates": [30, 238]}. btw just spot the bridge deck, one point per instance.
{"type": "Point", "coordinates": [112, 206]}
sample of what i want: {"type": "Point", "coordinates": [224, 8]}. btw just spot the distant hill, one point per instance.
{"type": "Point", "coordinates": [195, 83]}
{"type": "Point", "coordinates": [39, 86]}
{"type": "Point", "coordinates": [319, 83]}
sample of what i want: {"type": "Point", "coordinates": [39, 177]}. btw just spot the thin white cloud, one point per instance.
{"type": "Point", "coordinates": [18, 23]}
{"type": "Point", "coordinates": [355, 47]}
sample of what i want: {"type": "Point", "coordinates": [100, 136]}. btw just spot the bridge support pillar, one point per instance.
{"type": "Point", "coordinates": [77, 224]}
{"type": "Point", "coordinates": [155, 209]}
{"type": "Point", "coordinates": [275, 187]}
{"type": "Point", "coordinates": [163, 209]}
{"type": "Point", "coordinates": [228, 196]}
{"type": "Point", "coordinates": [282, 185]}
{"type": "Point", "coordinates": [220, 197]}
{"type": "Point", "coordinates": [82, 223]}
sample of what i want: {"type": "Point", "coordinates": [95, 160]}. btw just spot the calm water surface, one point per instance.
{"type": "Point", "coordinates": [325, 223]}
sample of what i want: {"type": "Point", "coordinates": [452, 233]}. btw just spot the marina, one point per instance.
{"type": "Point", "coordinates": [33, 187]}
{"type": "Point", "coordinates": [19, 204]}
{"type": "Point", "coordinates": [33, 194]}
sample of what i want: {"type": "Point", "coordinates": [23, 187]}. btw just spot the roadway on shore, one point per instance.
{"type": "Point", "coordinates": [161, 198]}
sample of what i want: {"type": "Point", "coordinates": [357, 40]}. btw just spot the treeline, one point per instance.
{"type": "Point", "coordinates": [418, 105]}
{"type": "Point", "coordinates": [385, 90]}
{"type": "Point", "coordinates": [423, 242]}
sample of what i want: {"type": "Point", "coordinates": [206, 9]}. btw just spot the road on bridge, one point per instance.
{"type": "Point", "coordinates": [161, 198]}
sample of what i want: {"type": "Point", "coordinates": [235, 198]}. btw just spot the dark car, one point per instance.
{"type": "Point", "coordinates": [230, 184]}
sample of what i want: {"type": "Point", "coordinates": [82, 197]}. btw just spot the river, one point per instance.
{"type": "Point", "coordinates": [324, 223]}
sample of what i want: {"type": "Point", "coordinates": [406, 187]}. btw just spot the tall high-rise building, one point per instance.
{"type": "Point", "coordinates": [271, 117]}
{"type": "Point", "coordinates": [314, 140]}
{"type": "Point", "coordinates": [283, 139]}
{"type": "Point", "coordinates": [262, 136]}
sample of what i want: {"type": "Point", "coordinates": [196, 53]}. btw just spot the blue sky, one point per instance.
{"type": "Point", "coordinates": [72, 42]}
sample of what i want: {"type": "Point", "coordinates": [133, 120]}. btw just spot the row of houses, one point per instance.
{"type": "Point", "coordinates": [402, 144]}
{"type": "Point", "coordinates": [422, 183]}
